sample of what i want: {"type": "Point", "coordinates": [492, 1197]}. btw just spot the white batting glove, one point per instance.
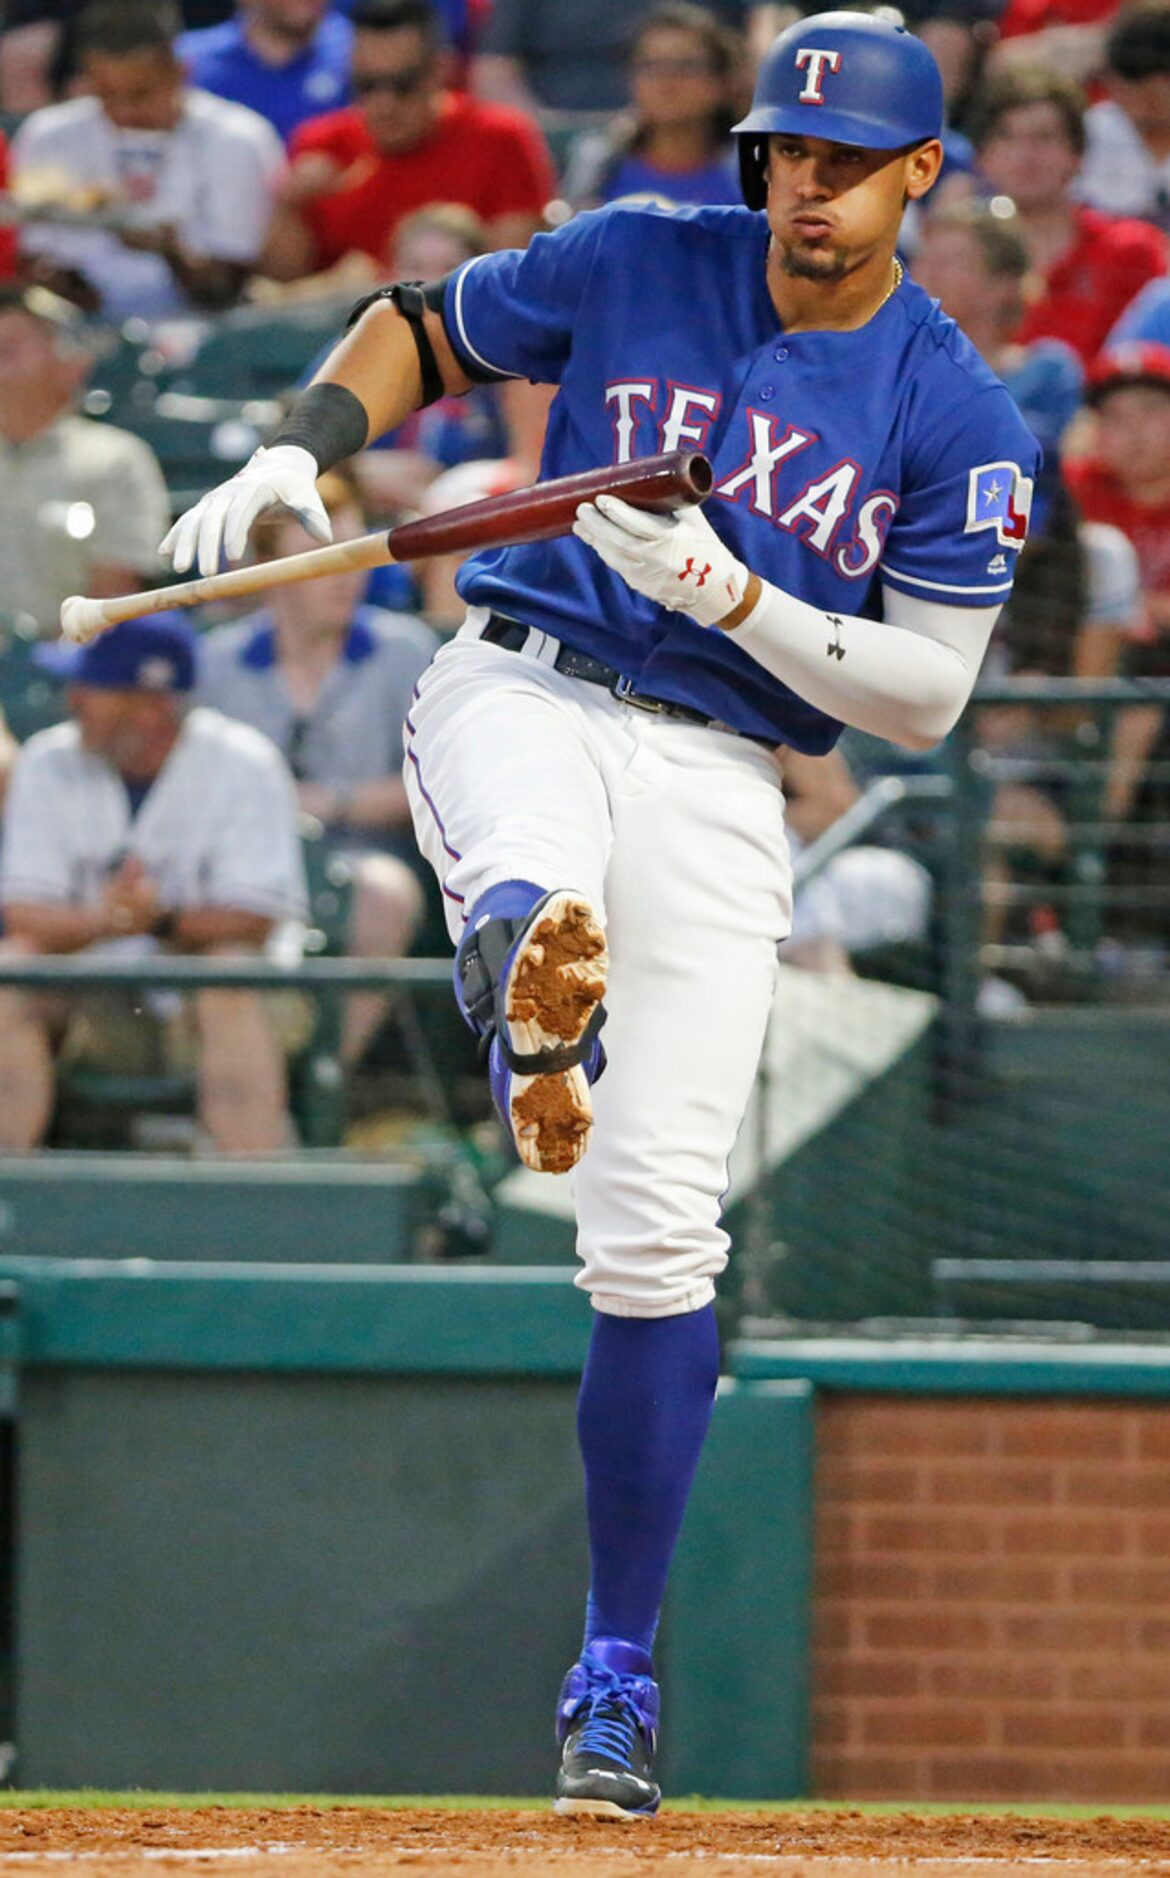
{"type": "Point", "coordinates": [677, 559]}
{"type": "Point", "coordinates": [219, 522]}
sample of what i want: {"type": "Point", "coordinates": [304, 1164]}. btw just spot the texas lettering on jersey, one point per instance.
{"type": "Point", "coordinates": [822, 511]}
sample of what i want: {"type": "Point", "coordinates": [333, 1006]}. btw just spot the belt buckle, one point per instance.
{"type": "Point", "coordinates": [623, 690]}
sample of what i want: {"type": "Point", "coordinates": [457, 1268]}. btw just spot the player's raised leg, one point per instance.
{"type": "Point", "coordinates": [511, 812]}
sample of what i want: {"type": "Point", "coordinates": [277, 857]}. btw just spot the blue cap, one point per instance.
{"type": "Point", "coordinates": [852, 78]}
{"type": "Point", "coordinates": [153, 653]}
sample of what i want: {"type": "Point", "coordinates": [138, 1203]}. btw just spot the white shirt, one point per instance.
{"type": "Point", "coordinates": [217, 828]}
{"type": "Point", "coordinates": [212, 178]}
{"type": "Point", "coordinates": [1112, 578]}
{"type": "Point", "coordinates": [1120, 175]}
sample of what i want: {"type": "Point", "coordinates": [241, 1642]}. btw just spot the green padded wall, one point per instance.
{"type": "Point", "coordinates": [284, 1528]}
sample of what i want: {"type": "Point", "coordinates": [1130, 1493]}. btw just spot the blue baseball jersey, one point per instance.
{"type": "Point", "coordinates": [844, 461]}
{"type": "Point", "coordinates": [219, 59]}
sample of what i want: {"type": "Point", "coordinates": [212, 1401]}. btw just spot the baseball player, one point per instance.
{"type": "Point", "coordinates": [589, 760]}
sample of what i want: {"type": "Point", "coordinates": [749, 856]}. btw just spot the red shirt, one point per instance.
{"type": "Point", "coordinates": [489, 157]}
{"type": "Point", "coordinates": [8, 236]}
{"type": "Point", "coordinates": [1032, 16]}
{"type": "Point", "coordinates": [1089, 286]}
{"type": "Point", "coordinates": [1102, 499]}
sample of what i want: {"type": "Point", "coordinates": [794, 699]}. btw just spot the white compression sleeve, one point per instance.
{"type": "Point", "coordinates": [905, 677]}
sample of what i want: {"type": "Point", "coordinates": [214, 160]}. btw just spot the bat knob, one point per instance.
{"type": "Point", "coordinates": [82, 619]}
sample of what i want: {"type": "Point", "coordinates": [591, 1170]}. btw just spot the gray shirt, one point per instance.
{"type": "Point", "coordinates": [79, 493]}
{"type": "Point", "coordinates": [354, 732]}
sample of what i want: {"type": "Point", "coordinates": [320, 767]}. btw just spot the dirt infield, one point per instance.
{"type": "Point", "coordinates": [313, 1842]}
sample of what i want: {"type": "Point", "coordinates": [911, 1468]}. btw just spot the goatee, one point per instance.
{"type": "Point", "coordinates": [800, 265]}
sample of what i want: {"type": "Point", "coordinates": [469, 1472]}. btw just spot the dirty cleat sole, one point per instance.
{"type": "Point", "coordinates": [550, 1119]}
{"type": "Point", "coordinates": [556, 976]}
{"type": "Point", "coordinates": [554, 984]}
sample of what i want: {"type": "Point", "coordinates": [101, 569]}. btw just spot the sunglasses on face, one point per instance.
{"type": "Point", "coordinates": [399, 84]}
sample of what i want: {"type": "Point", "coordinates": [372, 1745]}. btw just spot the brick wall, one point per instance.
{"type": "Point", "coordinates": [992, 1599]}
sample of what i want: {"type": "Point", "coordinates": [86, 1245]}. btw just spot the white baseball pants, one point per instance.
{"type": "Point", "coordinates": [675, 834]}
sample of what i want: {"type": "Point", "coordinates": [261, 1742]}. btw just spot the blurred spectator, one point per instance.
{"type": "Point", "coordinates": [83, 505]}
{"type": "Point", "coordinates": [287, 59]}
{"type": "Point", "coordinates": [140, 823]}
{"type": "Point", "coordinates": [394, 471]}
{"type": "Point", "coordinates": [37, 62]}
{"type": "Point", "coordinates": [961, 34]}
{"type": "Point", "coordinates": [1147, 317]}
{"type": "Point", "coordinates": [9, 250]}
{"type": "Point", "coordinates": [1125, 476]}
{"type": "Point", "coordinates": [563, 55]}
{"type": "Point", "coordinates": [972, 256]}
{"type": "Point", "coordinates": [866, 896]}
{"type": "Point", "coordinates": [1127, 162]}
{"type": "Point", "coordinates": [442, 604]}
{"type": "Point", "coordinates": [675, 143]}
{"type": "Point", "coordinates": [406, 142]}
{"type": "Point", "coordinates": [8, 749]}
{"type": "Point", "coordinates": [1076, 611]}
{"type": "Point", "coordinates": [1030, 138]}
{"type": "Point", "coordinates": [1125, 479]}
{"type": "Point", "coordinates": [1066, 37]}
{"type": "Point", "coordinates": [330, 682]}
{"type": "Point", "coordinates": [185, 179]}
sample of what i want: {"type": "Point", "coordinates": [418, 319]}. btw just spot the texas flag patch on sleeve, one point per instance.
{"type": "Point", "coordinates": [999, 497]}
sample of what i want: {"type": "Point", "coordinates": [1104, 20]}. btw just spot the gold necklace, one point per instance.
{"type": "Point", "coordinates": [899, 276]}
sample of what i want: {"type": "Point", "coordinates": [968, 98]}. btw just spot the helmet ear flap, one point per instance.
{"type": "Point", "coordinates": [753, 170]}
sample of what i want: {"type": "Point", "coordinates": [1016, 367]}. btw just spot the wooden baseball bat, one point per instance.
{"type": "Point", "coordinates": [536, 513]}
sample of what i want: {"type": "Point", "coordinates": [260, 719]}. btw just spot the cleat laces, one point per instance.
{"type": "Point", "coordinates": [611, 1719]}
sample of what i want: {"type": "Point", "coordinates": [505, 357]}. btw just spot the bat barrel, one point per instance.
{"type": "Point", "coordinates": [670, 481]}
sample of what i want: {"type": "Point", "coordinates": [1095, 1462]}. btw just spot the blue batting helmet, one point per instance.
{"type": "Point", "coordinates": [851, 77]}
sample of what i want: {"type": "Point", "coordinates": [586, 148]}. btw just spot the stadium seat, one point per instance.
{"type": "Point", "coordinates": [31, 700]}
{"type": "Point", "coordinates": [258, 353]}
{"type": "Point", "coordinates": [198, 441]}
{"type": "Point", "coordinates": [126, 376]}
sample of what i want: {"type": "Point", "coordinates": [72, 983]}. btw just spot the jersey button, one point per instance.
{"type": "Point", "coordinates": [766, 392]}
{"type": "Point", "coordinates": [780, 354]}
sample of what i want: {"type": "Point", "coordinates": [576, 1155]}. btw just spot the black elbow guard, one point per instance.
{"type": "Point", "coordinates": [412, 299]}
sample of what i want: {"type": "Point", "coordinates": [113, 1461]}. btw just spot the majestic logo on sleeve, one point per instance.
{"type": "Point", "coordinates": [999, 497]}
{"type": "Point", "coordinates": [814, 62]}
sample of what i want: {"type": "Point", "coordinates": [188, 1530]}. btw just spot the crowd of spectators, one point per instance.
{"type": "Point", "coordinates": [167, 166]}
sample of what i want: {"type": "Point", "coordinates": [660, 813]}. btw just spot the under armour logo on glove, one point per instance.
{"type": "Point", "coordinates": [676, 560]}
{"type": "Point", "coordinates": [834, 649]}
{"type": "Point", "coordinates": [699, 576]}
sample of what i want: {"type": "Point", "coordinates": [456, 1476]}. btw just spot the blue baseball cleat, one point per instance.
{"type": "Point", "coordinates": [607, 1725]}
{"type": "Point", "coordinates": [532, 985]}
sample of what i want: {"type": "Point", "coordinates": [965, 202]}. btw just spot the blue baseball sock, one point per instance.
{"type": "Point", "coordinates": [645, 1403]}
{"type": "Point", "coordinates": [508, 899]}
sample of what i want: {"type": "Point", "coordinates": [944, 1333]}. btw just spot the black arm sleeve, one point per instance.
{"type": "Point", "coordinates": [329, 422]}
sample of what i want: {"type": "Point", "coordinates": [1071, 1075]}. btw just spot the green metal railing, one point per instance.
{"type": "Point", "coordinates": [326, 980]}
